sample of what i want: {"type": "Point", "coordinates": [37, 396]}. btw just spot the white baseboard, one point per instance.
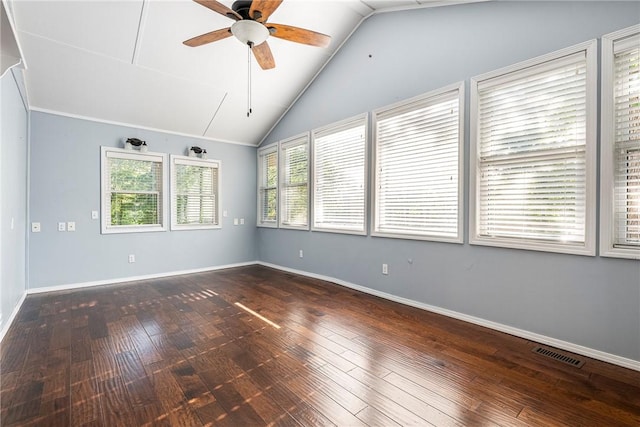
{"type": "Point", "coordinates": [564, 345]}
{"type": "Point", "coordinates": [11, 318]}
{"type": "Point", "coordinates": [70, 286]}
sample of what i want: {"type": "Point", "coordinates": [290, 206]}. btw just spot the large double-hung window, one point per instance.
{"type": "Point", "coordinates": [533, 152]}
{"type": "Point", "coordinates": [133, 191]}
{"type": "Point", "coordinates": [418, 150]}
{"type": "Point", "coordinates": [294, 182]}
{"type": "Point", "coordinates": [620, 167]}
{"type": "Point", "coordinates": [195, 193]}
{"type": "Point", "coordinates": [339, 177]}
{"type": "Point", "coordinates": [268, 186]}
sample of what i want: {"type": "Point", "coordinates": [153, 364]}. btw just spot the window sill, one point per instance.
{"type": "Point", "coordinates": [176, 227]}
{"type": "Point", "coordinates": [624, 253]}
{"type": "Point", "coordinates": [421, 237]}
{"type": "Point", "coordinates": [132, 229]}
{"type": "Point", "coordinates": [562, 248]}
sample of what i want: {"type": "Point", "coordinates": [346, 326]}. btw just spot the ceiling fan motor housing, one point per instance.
{"type": "Point", "coordinates": [242, 8]}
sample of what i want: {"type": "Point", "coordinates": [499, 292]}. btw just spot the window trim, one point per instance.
{"type": "Point", "coordinates": [262, 152]}
{"type": "Point", "coordinates": [338, 126]}
{"type": "Point", "coordinates": [104, 206]}
{"type": "Point", "coordinates": [588, 247]}
{"type": "Point", "coordinates": [210, 163]}
{"type": "Point", "coordinates": [293, 141]}
{"type": "Point", "coordinates": [607, 147]}
{"type": "Point", "coordinates": [432, 95]}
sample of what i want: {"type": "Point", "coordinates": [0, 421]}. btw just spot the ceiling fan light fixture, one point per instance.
{"type": "Point", "coordinates": [250, 32]}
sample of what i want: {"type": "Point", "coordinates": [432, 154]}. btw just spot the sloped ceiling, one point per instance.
{"type": "Point", "coordinates": [124, 62]}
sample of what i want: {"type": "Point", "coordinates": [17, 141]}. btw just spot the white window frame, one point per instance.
{"type": "Point", "coordinates": [302, 139]}
{"type": "Point", "coordinates": [588, 247]}
{"type": "Point", "coordinates": [418, 102]}
{"type": "Point", "coordinates": [337, 127]}
{"type": "Point", "coordinates": [161, 158]}
{"type": "Point", "coordinates": [607, 143]}
{"type": "Point", "coordinates": [207, 163]}
{"type": "Point", "coordinates": [260, 153]}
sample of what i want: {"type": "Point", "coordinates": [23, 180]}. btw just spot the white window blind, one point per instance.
{"type": "Point", "coordinates": [626, 103]}
{"type": "Point", "coordinates": [195, 193]}
{"type": "Point", "coordinates": [418, 145]}
{"type": "Point", "coordinates": [532, 181]}
{"type": "Point", "coordinates": [268, 186]}
{"type": "Point", "coordinates": [133, 191]}
{"type": "Point", "coordinates": [294, 183]}
{"type": "Point", "coordinates": [339, 169]}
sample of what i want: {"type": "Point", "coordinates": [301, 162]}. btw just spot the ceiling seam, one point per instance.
{"type": "Point", "coordinates": [215, 113]}
{"type": "Point", "coordinates": [141, 22]}
{"type": "Point", "coordinates": [61, 43]}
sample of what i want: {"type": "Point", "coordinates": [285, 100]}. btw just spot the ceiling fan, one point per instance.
{"type": "Point", "coordinates": [252, 29]}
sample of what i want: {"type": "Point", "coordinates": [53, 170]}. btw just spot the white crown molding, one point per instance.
{"type": "Point", "coordinates": [130, 125]}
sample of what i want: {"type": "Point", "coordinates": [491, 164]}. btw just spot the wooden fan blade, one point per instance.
{"type": "Point", "coordinates": [299, 35]}
{"type": "Point", "coordinates": [263, 55]}
{"type": "Point", "coordinates": [220, 8]}
{"type": "Point", "coordinates": [261, 10]}
{"type": "Point", "coordinates": [213, 36]}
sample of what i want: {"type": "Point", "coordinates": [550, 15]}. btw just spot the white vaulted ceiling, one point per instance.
{"type": "Point", "coordinates": [124, 62]}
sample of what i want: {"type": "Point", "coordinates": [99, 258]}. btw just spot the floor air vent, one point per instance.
{"type": "Point", "coordinates": [560, 357]}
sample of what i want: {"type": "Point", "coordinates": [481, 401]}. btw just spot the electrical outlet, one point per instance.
{"type": "Point", "coordinates": [35, 227]}
{"type": "Point", "coordinates": [224, 213]}
{"type": "Point", "coordinates": [241, 221]}
{"type": "Point", "coordinates": [71, 226]}
{"type": "Point", "coordinates": [301, 254]}
{"type": "Point", "coordinates": [132, 258]}
{"type": "Point", "coordinates": [385, 269]}
{"type": "Point", "coordinates": [62, 226]}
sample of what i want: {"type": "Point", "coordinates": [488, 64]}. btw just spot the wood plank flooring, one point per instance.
{"type": "Point", "coordinates": [180, 352]}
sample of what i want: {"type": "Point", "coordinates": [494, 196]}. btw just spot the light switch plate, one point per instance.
{"type": "Point", "coordinates": [71, 226]}
{"type": "Point", "coordinates": [94, 214]}
{"type": "Point", "coordinates": [35, 227]}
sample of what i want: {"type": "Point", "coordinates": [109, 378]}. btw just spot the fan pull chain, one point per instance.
{"type": "Point", "coordinates": [249, 109]}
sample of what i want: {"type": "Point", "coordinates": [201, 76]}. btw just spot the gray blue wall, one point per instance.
{"type": "Point", "coordinates": [588, 301]}
{"type": "Point", "coordinates": [13, 194]}
{"type": "Point", "coordinates": [65, 186]}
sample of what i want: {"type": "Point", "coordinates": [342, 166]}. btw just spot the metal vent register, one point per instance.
{"type": "Point", "coordinates": [561, 357]}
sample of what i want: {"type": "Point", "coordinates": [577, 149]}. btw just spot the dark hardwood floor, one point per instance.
{"type": "Point", "coordinates": [179, 351]}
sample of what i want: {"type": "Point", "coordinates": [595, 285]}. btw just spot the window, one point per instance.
{"type": "Point", "coordinates": [620, 168]}
{"type": "Point", "coordinates": [268, 186]}
{"type": "Point", "coordinates": [132, 191]}
{"type": "Point", "coordinates": [195, 190]}
{"type": "Point", "coordinates": [339, 171]}
{"type": "Point", "coordinates": [418, 172]}
{"type": "Point", "coordinates": [294, 183]}
{"type": "Point", "coordinates": [533, 154]}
